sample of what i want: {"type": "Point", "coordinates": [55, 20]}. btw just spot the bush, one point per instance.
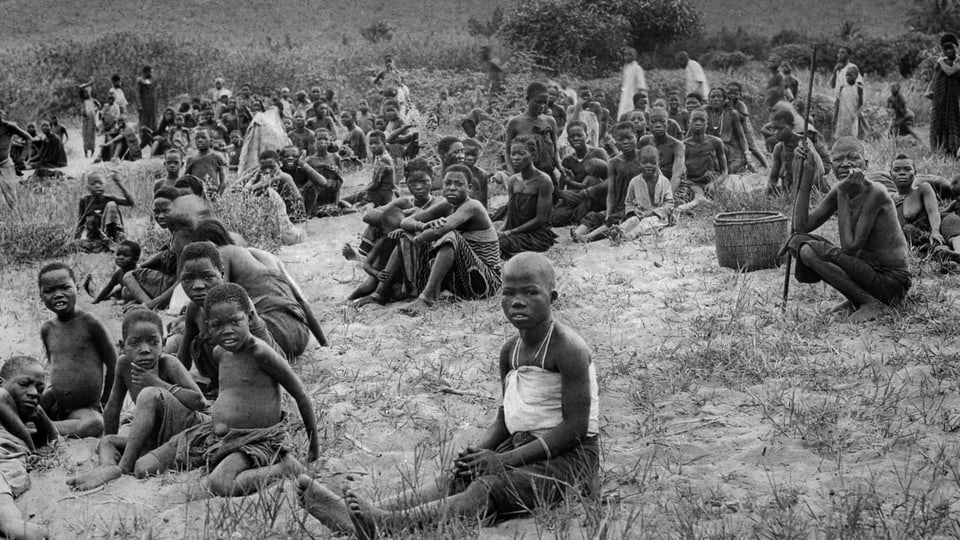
{"type": "Point", "coordinates": [377, 32]}
{"type": "Point", "coordinates": [567, 35]}
{"type": "Point", "coordinates": [724, 61]}
{"type": "Point", "coordinates": [654, 23]}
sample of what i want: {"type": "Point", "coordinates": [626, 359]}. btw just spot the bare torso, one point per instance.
{"type": "Point", "coordinates": [249, 397]}
{"type": "Point", "coordinates": [76, 369]}
{"type": "Point", "coordinates": [885, 245]}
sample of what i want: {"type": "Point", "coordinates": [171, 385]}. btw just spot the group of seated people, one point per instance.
{"type": "Point", "coordinates": [207, 394]}
{"type": "Point", "coordinates": [42, 152]}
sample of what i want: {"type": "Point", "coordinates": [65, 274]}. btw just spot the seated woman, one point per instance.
{"type": "Point", "coordinates": [543, 445]}
{"type": "Point", "coordinates": [530, 192]}
{"type": "Point", "coordinates": [451, 246]}
{"type": "Point", "coordinates": [923, 224]}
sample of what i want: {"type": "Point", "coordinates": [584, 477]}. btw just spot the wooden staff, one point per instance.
{"type": "Point", "coordinates": [796, 195]}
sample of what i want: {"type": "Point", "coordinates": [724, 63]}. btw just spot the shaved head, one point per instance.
{"type": "Point", "coordinates": [848, 145]}
{"type": "Point", "coordinates": [649, 150]}
{"type": "Point", "coordinates": [531, 265]}
{"type": "Point", "coordinates": [187, 211]}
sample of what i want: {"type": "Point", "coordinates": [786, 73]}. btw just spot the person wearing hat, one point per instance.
{"type": "Point", "coordinates": [945, 96]}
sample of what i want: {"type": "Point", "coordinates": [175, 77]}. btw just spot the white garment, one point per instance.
{"type": "Point", "coordinates": [119, 98]}
{"type": "Point", "coordinates": [633, 81]}
{"type": "Point", "coordinates": [848, 114]}
{"type": "Point", "coordinates": [532, 398]}
{"type": "Point", "coordinates": [697, 79]}
{"type": "Point", "coordinates": [840, 80]}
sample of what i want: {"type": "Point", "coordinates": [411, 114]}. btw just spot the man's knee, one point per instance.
{"type": "Point", "coordinates": [147, 465]}
{"type": "Point", "coordinates": [807, 254]}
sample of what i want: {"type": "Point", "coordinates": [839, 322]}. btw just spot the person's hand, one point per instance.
{"type": "Point", "coordinates": [503, 233]}
{"type": "Point", "coordinates": [801, 151]}
{"type": "Point", "coordinates": [936, 238]}
{"type": "Point", "coordinates": [313, 453]}
{"type": "Point", "coordinates": [478, 462]}
{"type": "Point", "coordinates": [383, 276]}
{"type": "Point", "coordinates": [436, 223]}
{"type": "Point", "coordinates": [856, 175]}
{"type": "Point", "coordinates": [711, 176]}
{"type": "Point", "coordinates": [426, 236]}
{"type": "Point", "coordinates": [302, 159]}
{"type": "Point", "coordinates": [395, 234]}
{"type": "Point", "coordinates": [143, 378]}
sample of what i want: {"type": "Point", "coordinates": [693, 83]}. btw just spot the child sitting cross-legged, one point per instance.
{"type": "Point", "coordinates": [244, 444]}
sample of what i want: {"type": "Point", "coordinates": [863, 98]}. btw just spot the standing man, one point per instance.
{"type": "Point", "coordinates": [696, 77]}
{"type": "Point", "coordinates": [147, 91]}
{"type": "Point", "coordinates": [633, 81]}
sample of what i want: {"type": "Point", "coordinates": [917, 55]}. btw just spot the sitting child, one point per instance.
{"type": "Point", "coordinates": [649, 199]}
{"type": "Point", "coordinates": [153, 283]}
{"type": "Point", "coordinates": [127, 256]}
{"type": "Point", "coordinates": [167, 400]}
{"type": "Point", "coordinates": [98, 214]}
{"type": "Point", "coordinates": [244, 444]}
{"type": "Point", "coordinates": [622, 169]}
{"type": "Point", "coordinates": [22, 379]}
{"type": "Point", "coordinates": [81, 357]}
{"type": "Point", "coordinates": [543, 445]}
{"type": "Point", "coordinates": [706, 163]}
{"type": "Point", "coordinates": [383, 182]}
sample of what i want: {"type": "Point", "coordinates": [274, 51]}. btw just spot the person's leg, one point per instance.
{"type": "Point", "coordinates": [367, 518]}
{"type": "Point", "coordinates": [391, 272]}
{"type": "Point", "coordinates": [108, 450]}
{"type": "Point", "coordinates": [12, 524]}
{"type": "Point", "coordinates": [159, 460]}
{"type": "Point", "coordinates": [867, 306]}
{"type": "Point", "coordinates": [236, 475]}
{"type": "Point", "coordinates": [133, 289]}
{"type": "Point", "coordinates": [81, 423]}
{"type": "Point", "coordinates": [143, 428]}
{"type": "Point", "coordinates": [442, 263]}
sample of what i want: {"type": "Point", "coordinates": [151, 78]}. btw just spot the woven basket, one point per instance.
{"type": "Point", "coordinates": [748, 241]}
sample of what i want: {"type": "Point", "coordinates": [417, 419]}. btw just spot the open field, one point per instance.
{"type": "Point", "coordinates": [245, 22]}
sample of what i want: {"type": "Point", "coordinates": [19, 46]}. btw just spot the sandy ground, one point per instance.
{"type": "Point", "coordinates": [722, 416]}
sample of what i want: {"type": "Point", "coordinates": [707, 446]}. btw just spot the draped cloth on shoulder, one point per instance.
{"type": "Point", "coordinates": [265, 133]}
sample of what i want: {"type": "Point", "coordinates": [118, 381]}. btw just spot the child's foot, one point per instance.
{"type": "Point", "coordinates": [94, 478]}
{"type": "Point", "coordinates": [349, 253]}
{"type": "Point", "coordinates": [372, 298]}
{"type": "Point", "coordinates": [323, 504]}
{"type": "Point", "coordinates": [416, 308]}
{"type": "Point", "coordinates": [361, 514]}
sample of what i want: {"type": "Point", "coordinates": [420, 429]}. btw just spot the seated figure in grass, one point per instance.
{"type": "Point", "coordinates": [584, 168]}
{"type": "Point", "coordinates": [383, 232]}
{"type": "Point", "coordinates": [22, 379]}
{"type": "Point", "coordinates": [671, 151]}
{"type": "Point", "coordinates": [706, 163]}
{"type": "Point", "coordinates": [244, 443]}
{"type": "Point", "coordinates": [649, 201]}
{"type": "Point", "coordinates": [153, 282]}
{"type": "Point", "coordinates": [783, 168]}
{"type": "Point", "coordinates": [530, 192]}
{"type": "Point", "coordinates": [450, 246]}
{"type": "Point", "coordinates": [621, 169]}
{"type": "Point", "coordinates": [167, 401]}
{"type": "Point", "coordinates": [542, 446]}
{"type": "Point", "coordinates": [870, 266]}
{"type": "Point", "coordinates": [919, 213]}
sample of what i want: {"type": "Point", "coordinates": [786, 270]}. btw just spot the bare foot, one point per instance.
{"type": "Point", "coordinates": [323, 504]}
{"type": "Point", "coordinates": [844, 306]}
{"type": "Point", "coordinates": [867, 312]}
{"type": "Point", "coordinates": [94, 478]}
{"type": "Point", "coordinates": [416, 308]}
{"type": "Point", "coordinates": [372, 298]}
{"type": "Point", "coordinates": [361, 514]}
{"type": "Point", "coordinates": [18, 529]}
{"type": "Point", "coordinates": [349, 253]}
